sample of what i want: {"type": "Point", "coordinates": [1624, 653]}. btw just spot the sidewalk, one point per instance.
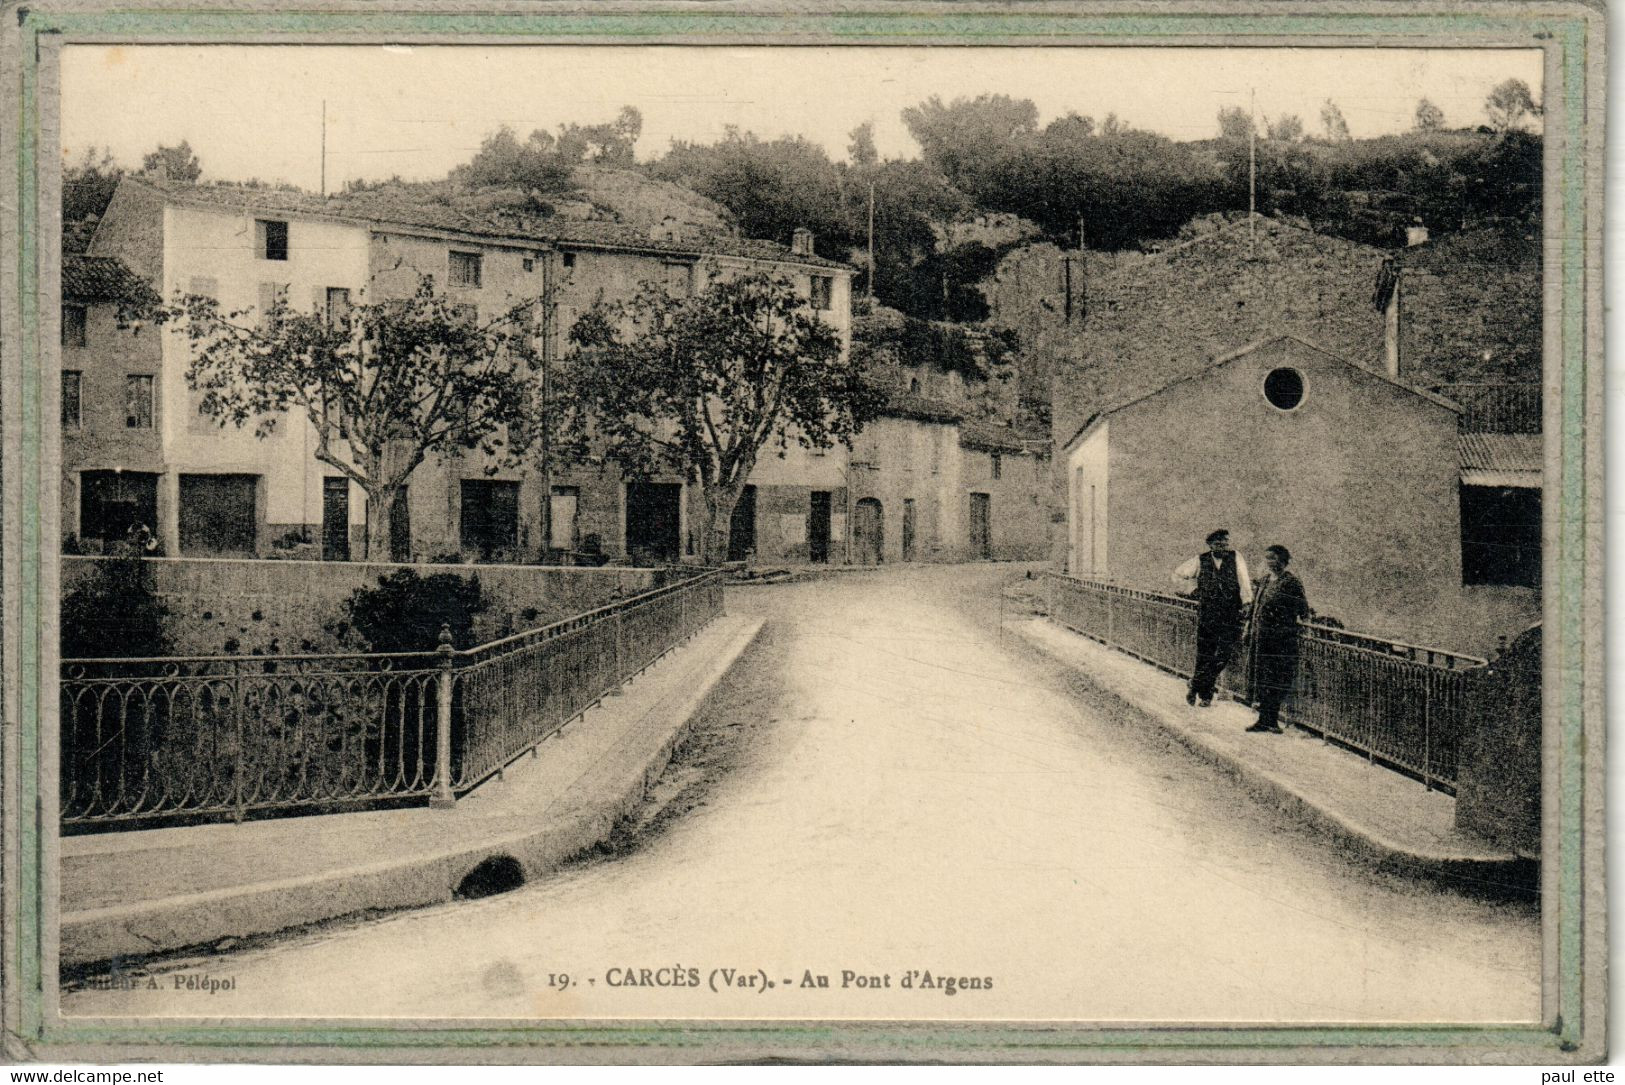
{"type": "Point", "coordinates": [1370, 811]}
{"type": "Point", "coordinates": [136, 893]}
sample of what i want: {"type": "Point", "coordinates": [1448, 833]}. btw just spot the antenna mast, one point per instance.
{"type": "Point", "coordinates": [324, 146]}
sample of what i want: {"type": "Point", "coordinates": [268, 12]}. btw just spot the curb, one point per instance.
{"type": "Point", "coordinates": [611, 789]}
{"type": "Point", "coordinates": [1503, 876]}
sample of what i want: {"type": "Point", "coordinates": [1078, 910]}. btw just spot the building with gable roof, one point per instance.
{"type": "Point", "coordinates": [1285, 442]}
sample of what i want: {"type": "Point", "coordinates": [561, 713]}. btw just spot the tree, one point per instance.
{"type": "Point", "coordinates": [398, 380]}
{"type": "Point", "coordinates": [535, 165]}
{"type": "Point", "coordinates": [1235, 123]}
{"type": "Point", "coordinates": [1287, 128]}
{"type": "Point", "coordinates": [1509, 103]}
{"type": "Point", "coordinates": [1333, 123]}
{"type": "Point", "coordinates": [700, 384]}
{"type": "Point", "coordinates": [178, 162]}
{"type": "Point", "coordinates": [1429, 117]}
{"type": "Point", "coordinates": [861, 148]}
{"type": "Point", "coordinates": [960, 137]}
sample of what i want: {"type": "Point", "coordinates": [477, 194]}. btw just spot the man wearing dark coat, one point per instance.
{"type": "Point", "coordinates": [1218, 581]}
{"type": "Point", "coordinates": [1279, 607]}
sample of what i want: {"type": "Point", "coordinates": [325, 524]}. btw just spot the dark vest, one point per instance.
{"type": "Point", "coordinates": [1218, 588]}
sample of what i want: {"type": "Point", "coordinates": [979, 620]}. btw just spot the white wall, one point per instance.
{"type": "Point", "coordinates": [219, 245]}
{"type": "Point", "coordinates": [1086, 521]}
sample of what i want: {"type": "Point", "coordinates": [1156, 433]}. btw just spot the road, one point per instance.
{"type": "Point", "coordinates": [887, 788]}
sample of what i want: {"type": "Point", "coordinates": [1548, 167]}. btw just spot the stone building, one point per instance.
{"type": "Point", "coordinates": [112, 454]}
{"type": "Point", "coordinates": [226, 492]}
{"type": "Point", "coordinates": [1285, 442]}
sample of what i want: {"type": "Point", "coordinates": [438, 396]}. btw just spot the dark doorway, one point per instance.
{"type": "Point", "coordinates": [217, 515]}
{"type": "Point", "coordinates": [400, 527]}
{"type": "Point", "coordinates": [113, 502]}
{"type": "Point", "coordinates": [869, 532]}
{"type": "Point", "coordinates": [818, 528]}
{"type": "Point", "coordinates": [1500, 536]}
{"type": "Point", "coordinates": [908, 529]}
{"type": "Point", "coordinates": [742, 526]}
{"type": "Point", "coordinates": [335, 519]}
{"type": "Point", "coordinates": [981, 526]}
{"type": "Point", "coordinates": [489, 524]}
{"type": "Point", "coordinates": [654, 522]}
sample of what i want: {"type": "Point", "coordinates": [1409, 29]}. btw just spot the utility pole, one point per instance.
{"type": "Point", "coordinates": [1252, 171]}
{"type": "Point", "coordinates": [871, 283]}
{"type": "Point", "coordinates": [324, 146]}
{"type": "Point", "coordinates": [549, 319]}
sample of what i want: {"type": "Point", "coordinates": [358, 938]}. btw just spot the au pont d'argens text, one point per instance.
{"type": "Point", "coordinates": [719, 980]}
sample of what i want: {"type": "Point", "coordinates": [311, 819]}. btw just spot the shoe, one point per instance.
{"type": "Point", "coordinates": [1207, 702]}
{"type": "Point", "coordinates": [1263, 727]}
{"type": "Point", "coordinates": [1190, 696]}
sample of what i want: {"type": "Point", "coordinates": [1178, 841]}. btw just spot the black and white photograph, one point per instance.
{"type": "Point", "coordinates": [692, 532]}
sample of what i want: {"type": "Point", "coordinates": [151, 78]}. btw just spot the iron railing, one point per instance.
{"type": "Point", "coordinates": [213, 738]}
{"type": "Point", "coordinates": [1403, 705]}
{"type": "Point", "coordinates": [1495, 408]}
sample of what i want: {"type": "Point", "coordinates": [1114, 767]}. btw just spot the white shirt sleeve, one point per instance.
{"type": "Point", "coordinates": [1184, 577]}
{"type": "Point", "coordinates": [1245, 580]}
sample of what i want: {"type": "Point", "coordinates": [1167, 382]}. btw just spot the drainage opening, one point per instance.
{"type": "Point", "coordinates": [498, 874]}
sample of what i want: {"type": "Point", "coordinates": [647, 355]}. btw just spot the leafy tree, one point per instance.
{"type": "Point", "coordinates": [1429, 117]}
{"type": "Point", "coordinates": [960, 137]}
{"type": "Point", "coordinates": [1235, 123]}
{"type": "Point", "coordinates": [604, 144]}
{"type": "Point", "coordinates": [399, 380]}
{"type": "Point", "coordinates": [116, 612]}
{"type": "Point", "coordinates": [538, 164]}
{"type": "Point", "coordinates": [861, 148]}
{"type": "Point", "coordinates": [1333, 123]}
{"type": "Point", "coordinates": [88, 185]}
{"type": "Point", "coordinates": [700, 384]}
{"type": "Point", "coordinates": [1287, 128]}
{"type": "Point", "coordinates": [1509, 103]}
{"type": "Point", "coordinates": [178, 162]}
{"type": "Point", "coordinates": [405, 611]}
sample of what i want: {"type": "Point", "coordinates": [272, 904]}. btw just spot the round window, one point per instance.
{"type": "Point", "coordinates": [1284, 388]}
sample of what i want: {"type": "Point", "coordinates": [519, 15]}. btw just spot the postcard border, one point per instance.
{"type": "Point", "coordinates": [1571, 35]}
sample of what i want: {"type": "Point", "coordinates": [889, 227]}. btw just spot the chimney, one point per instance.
{"type": "Point", "coordinates": [801, 241]}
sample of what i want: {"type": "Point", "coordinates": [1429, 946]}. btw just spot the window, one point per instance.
{"type": "Point", "coordinates": [823, 289]}
{"type": "Point", "coordinates": [338, 307]}
{"type": "Point", "coordinates": [528, 264]}
{"type": "Point", "coordinates": [272, 295]}
{"type": "Point", "coordinates": [70, 398]}
{"type": "Point", "coordinates": [1500, 536]}
{"type": "Point", "coordinates": [490, 519]}
{"type": "Point", "coordinates": [112, 503]}
{"type": "Point", "coordinates": [997, 462]}
{"type": "Point", "coordinates": [271, 239]}
{"type": "Point", "coordinates": [138, 401]}
{"type": "Point", "coordinates": [569, 259]}
{"type": "Point", "coordinates": [1284, 388]}
{"type": "Point", "coordinates": [465, 269]}
{"type": "Point", "coordinates": [73, 325]}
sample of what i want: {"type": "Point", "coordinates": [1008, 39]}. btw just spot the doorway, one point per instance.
{"type": "Point", "coordinates": [742, 526]}
{"type": "Point", "coordinates": [868, 532]}
{"type": "Point", "coordinates": [335, 519]}
{"type": "Point", "coordinates": [981, 526]}
{"type": "Point", "coordinates": [217, 515]}
{"type": "Point", "coordinates": [654, 522]}
{"type": "Point", "coordinates": [818, 528]}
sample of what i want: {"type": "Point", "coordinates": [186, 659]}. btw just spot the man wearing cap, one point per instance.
{"type": "Point", "coordinates": [1218, 581]}
{"type": "Point", "coordinates": [1280, 606]}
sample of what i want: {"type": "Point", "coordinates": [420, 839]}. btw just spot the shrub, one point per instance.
{"type": "Point", "coordinates": [115, 613]}
{"type": "Point", "coordinates": [404, 612]}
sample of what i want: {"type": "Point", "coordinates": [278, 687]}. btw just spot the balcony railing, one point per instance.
{"type": "Point", "coordinates": [1495, 408]}
{"type": "Point", "coordinates": [1403, 705]}
{"type": "Point", "coordinates": [214, 738]}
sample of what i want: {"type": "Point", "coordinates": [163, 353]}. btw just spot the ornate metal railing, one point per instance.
{"type": "Point", "coordinates": [1403, 705]}
{"type": "Point", "coordinates": [212, 738]}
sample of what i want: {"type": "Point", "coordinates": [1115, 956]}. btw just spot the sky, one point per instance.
{"type": "Point", "coordinates": [417, 111]}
